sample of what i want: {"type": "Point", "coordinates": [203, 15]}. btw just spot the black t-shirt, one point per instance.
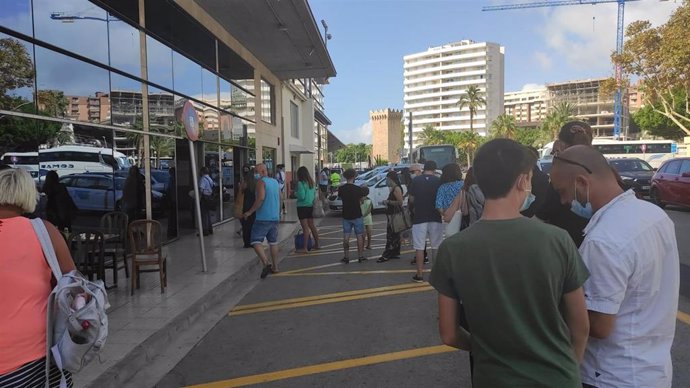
{"type": "Point", "coordinates": [558, 214]}
{"type": "Point", "coordinates": [423, 189]}
{"type": "Point", "coordinates": [351, 194]}
{"type": "Point", "coordinates": [540, 189]}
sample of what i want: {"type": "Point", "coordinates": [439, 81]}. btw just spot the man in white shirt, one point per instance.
{"type": "Point", "coordinates": [280, 177]}
{"type": "Point", "coordinates": [206, 190]}
{"type": "Point", "coordinates": [631, 252]}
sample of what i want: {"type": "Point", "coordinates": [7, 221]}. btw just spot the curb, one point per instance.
{"type": "Point", "coordinates": [170, 344]}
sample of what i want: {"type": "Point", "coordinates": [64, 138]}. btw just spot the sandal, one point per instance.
{"type": "Point", "coordinates": [382, 259]}
{"type": "Point", "coordinates": [345, 260]}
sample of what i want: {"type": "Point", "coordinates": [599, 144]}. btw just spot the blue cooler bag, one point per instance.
{"type": "Point", "coordinates": [299, 241]}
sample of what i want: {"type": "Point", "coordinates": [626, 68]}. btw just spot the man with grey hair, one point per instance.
{"type": "Point", "coordinates": [631, 251]}
{"type": "Point", "coordinates": [267, 209]}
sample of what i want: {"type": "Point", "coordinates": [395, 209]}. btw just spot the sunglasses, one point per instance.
{"type": "Point", "coordinates": [574, 163]}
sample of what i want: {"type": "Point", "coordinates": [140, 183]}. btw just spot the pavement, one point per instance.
{"type": "Point", "coordinates": [320, 323]}
{"type": "Point", "coordinates": [150, 332]}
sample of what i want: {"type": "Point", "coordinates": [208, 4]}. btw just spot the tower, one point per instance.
{"type": "Point", "coordinates": [386, 129]}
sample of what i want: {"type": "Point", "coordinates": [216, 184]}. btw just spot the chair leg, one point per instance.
{"type": "Point", "coordinates": [134, 276]}
{"type": "Point", "coordinates": [165, 272]}
{"type": "Point", "coordinates": [124, 249]}
{"type": "Point", "coordinates": [115, 268]}
{"type": "Point", "coordinates": [161, 275]}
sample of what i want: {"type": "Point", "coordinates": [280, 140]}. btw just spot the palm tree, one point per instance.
{"type": "Point", "coordinates": [472, 100]}
{"type": "Point", "coordinates": [504, 126]}
{"type": "Point", "coordinates": [557, 117]}
{"type": "Point", "coordinates": [468, 142]}
{"type": "Point", "coordinates": [431, 136]}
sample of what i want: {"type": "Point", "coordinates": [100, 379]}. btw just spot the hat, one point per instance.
{"type": "Point", "coordinates": [430, 165]}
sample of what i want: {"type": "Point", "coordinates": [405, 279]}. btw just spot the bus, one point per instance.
{"type": "Point", "coordinates": [443, 154]}
{"type": "Point", "coordinates": [654, 152]}
{"type": "Point", "coordinates": [68, 159]}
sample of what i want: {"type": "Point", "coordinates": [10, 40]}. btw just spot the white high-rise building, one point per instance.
{"type": "Point", "coordinates": [436, 79]}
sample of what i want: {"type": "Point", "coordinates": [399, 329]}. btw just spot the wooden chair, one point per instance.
{"type": "Point", "coordinates": [115, 224]}
{"type": "Point", "coordinates": [88, 249]}
{"type": "Point", "coordinates": [145, 250]}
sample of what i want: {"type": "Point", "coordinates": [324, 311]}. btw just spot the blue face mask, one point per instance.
{"type": "Point", "coordinates": [529, 199]}
{"type": "Point", "coordinates": [257, 175]}
{"type": "Point", "coordinates": [584, 211]}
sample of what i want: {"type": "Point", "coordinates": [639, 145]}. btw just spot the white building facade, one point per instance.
{"type": "Point", "coordinates": [528, 107]}
{"type": "Point", "coordinates": [436, 79]}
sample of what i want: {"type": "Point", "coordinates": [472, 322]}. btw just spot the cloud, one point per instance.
{"type": "Point", "coordinates": [361, 134]}
{"type": "Point", "coordinates": [543, 60]}
{"type": "Point", "coordinates": [528, 87]}
{"type": "Point", "coordinates": [583, 37]}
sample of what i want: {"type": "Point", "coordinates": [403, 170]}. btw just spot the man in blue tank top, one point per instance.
{"type": "Point", "coordinates": [267, 209]}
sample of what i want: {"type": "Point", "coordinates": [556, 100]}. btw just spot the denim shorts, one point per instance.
{"type": "Point", "coordinates": [264, 230]}
{"type": "Point", "coordinates": [357, 224]}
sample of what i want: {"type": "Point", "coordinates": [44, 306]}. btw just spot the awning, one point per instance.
{"type": "Point", "coordinates": [283, 35]}
{"type": "Point", "coordinates": [298, 149]}
{"type": "Point", "coordinates": [321, 117]}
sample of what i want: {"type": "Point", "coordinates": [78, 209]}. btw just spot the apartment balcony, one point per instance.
{"type": "Point", "coordinates": [462, 85]}
{"type": "Point", "coordinates": [436, 58]}
{"type": "Point", "coordinates": [442, 67]}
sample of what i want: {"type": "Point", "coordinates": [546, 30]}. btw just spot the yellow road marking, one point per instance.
{"type": "Point", "coordinates": [285, 306]}
{"type": "Point", "coordinates": [327, 367]}
{"type": "Point", "coordinates": [308, 269]}
{"type": "Point", "coordinates": [683, 317]}
{"type": "Point", "coordinates": [352, 272]}
{"type": "Point", "coordinates": [327, 296]}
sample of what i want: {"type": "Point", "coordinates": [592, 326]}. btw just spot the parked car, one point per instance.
{"type": "Point", "coordinates": [100, 192]}
{"type": "Point", "coordinates": [378, 191]}
{"type": "Point", "coordinates": [636, 174]}
{"type": "Point", "coordinates": [545, 165]}
{"type": "Point", "coordinates": [671, 183]}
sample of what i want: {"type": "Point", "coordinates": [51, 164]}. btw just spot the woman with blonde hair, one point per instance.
{"type": "Point", "coordinates": [25, 284]}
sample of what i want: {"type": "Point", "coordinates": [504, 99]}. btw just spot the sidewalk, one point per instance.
{"type": "Point", "coordinates": [149, 332]}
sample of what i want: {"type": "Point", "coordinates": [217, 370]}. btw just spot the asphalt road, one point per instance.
{"type": "Point", "coordinates": [320, 323]}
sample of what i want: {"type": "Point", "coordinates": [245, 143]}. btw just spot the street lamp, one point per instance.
{"type": "Point", "coordinates": [326, 35]}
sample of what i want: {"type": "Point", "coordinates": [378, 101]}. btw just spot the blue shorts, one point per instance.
{"type": "Point", "coordinates": [357, 224]}
{"type": "Point", "coordinates": [265, 230]}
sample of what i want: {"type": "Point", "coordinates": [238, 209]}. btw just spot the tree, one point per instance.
{"type": "Point", "coordinates": [353, 153]}
{"type": "Point", "coordinates": [16, 71]}
{"type": "Point", "coordinates": [561, 113]}
{"type": "Point", "coordinates": [504, 126]}
{"type": "Point", "coordinates": [472, 100]}
{"type": "Point", "coordinates": [468, 143]}
{"type": "Point", "coordinates": [23, 135]}
{"type": "Point", "coordinates": [660, 57]}
{"type": "Point", "coordinates": [379, 161]}
{"type": "Point", "coordinates": [655, 123]}
{"type": "Point", "coordinates": [432, 136]}
{"type": "Point", "coordinates": [533, 137]}
{"type": "Point", "coordinates": [52, 102]}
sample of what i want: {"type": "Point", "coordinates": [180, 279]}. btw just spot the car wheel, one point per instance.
{"type": "Point", "coordinates": [654, 195]}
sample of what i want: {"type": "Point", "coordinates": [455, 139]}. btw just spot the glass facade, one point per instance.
{"type": "Point", "coordinates": [94, 115]}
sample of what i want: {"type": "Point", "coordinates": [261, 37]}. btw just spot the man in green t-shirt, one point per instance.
{"type": "Point", "coordinates": [519, 281]}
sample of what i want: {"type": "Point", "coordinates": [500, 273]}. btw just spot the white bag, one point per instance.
{"type": "Point", "coordinates": [73, 338]}
{"type": "Point", "coordinates": [318, 211]}
{"type": "Point", "coordinates": [454, 225]}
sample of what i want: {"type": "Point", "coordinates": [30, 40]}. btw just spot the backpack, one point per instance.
{"type": "Point", "coordinates": [73, 338]}
{"type": "Point", "coordinates": [475, 204]}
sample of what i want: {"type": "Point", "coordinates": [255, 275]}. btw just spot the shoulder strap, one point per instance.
{"type": "Point", "coordinates": [47, 246]}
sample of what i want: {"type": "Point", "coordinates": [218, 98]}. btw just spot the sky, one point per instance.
{"type": "Point", "coordinates": [542, 45]}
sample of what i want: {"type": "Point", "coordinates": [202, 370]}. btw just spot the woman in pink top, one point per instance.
{"type": "Point", "coordinates": [25, 283]}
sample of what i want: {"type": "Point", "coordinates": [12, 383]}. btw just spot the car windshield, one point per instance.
{"type": "Point", "coordinates": [631, 165]}
{"type": "Point", "coordinates": [161, 176]}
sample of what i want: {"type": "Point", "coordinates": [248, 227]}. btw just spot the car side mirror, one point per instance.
{"type": "Point", "coordinates": [655, 169]}
{"type": "Point", "coordinates": [686, 175]}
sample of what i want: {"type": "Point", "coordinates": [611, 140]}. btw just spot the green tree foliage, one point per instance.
{"type": "Point", "coordinates": [472, 100]}
{"type": "Point", "coordinates": [651, 120]}
{"type": "Point", "coordinates": [467, 142]}
{"type": "Point", "coordinates": [504, 126]}
{"type": "Point", "coordinates": [24, 135]}
{"type": "Point", "coordinates": [558, 115]}
{"type": "Point", "coordinates": [534, 137]}
{"type": "Point", "coordinates": [660, 57]}
{"type": "Point", "coordinates": [379, 161]}
{"type": "Point", "coordinates": [16, 71]}
{"type": "Point", "coordinates": [353, 153]}
{"type": "Point", "coordinates": [432, 136]}
{"type": "Point", "coordinates": [52, 102]}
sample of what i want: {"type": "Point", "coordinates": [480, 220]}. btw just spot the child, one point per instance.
{"type": "Point", "coordinates": [367, 207]}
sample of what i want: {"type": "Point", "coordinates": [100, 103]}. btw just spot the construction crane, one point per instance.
{"type": "Point", "coordinates": [618, 99]}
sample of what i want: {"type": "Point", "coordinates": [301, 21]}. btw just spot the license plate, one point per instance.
{"type": "Point", "coordinates": [645, 187]}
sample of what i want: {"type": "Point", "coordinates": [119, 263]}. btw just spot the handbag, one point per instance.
{"type": "Point", "coordinates": [318, 208]}
{"type": "Point", "coordinates": [455, 224]}
{"type": "Point", "coordinates": [401, 220]}
{"type": "Point", "coordinates": [74, 336]}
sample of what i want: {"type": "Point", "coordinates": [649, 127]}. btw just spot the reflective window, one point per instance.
{"type": "Point", "coordinates": [233, 129]}
{"type": "Point", "coordinates": [17, 82]}
{"type": "Point", "coordinates": [71, 88]}
{"type": "Point", "coordinates": [236, 100]}
{"type": "Point", "coordinates": [16, 15]}
{"type": "Point", "coordinates": [162, 112]}
{"type": "Point", "coordinates": [209, 87]}
{"type": "Point", "coordinates": [74, 25]}
{"type": "Point", "coordinates": [159, 63]}
{"type": "Point", "coordinates": [186, 76]}
{"type": "Point", "coordinates": [229, 180]}
{"type": "Point", "coordinates": [126, 102]}
{"type": "Point", "coordinates": [213, 155]}
{"type": "Point", "coordinates": [124, 47]}
{"type": "Point", "coordinates": [269, 158]}
{"type": "Point", "coordinates": [294, 120]}
{"type": "Point", "coordinates": [268, 112]}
